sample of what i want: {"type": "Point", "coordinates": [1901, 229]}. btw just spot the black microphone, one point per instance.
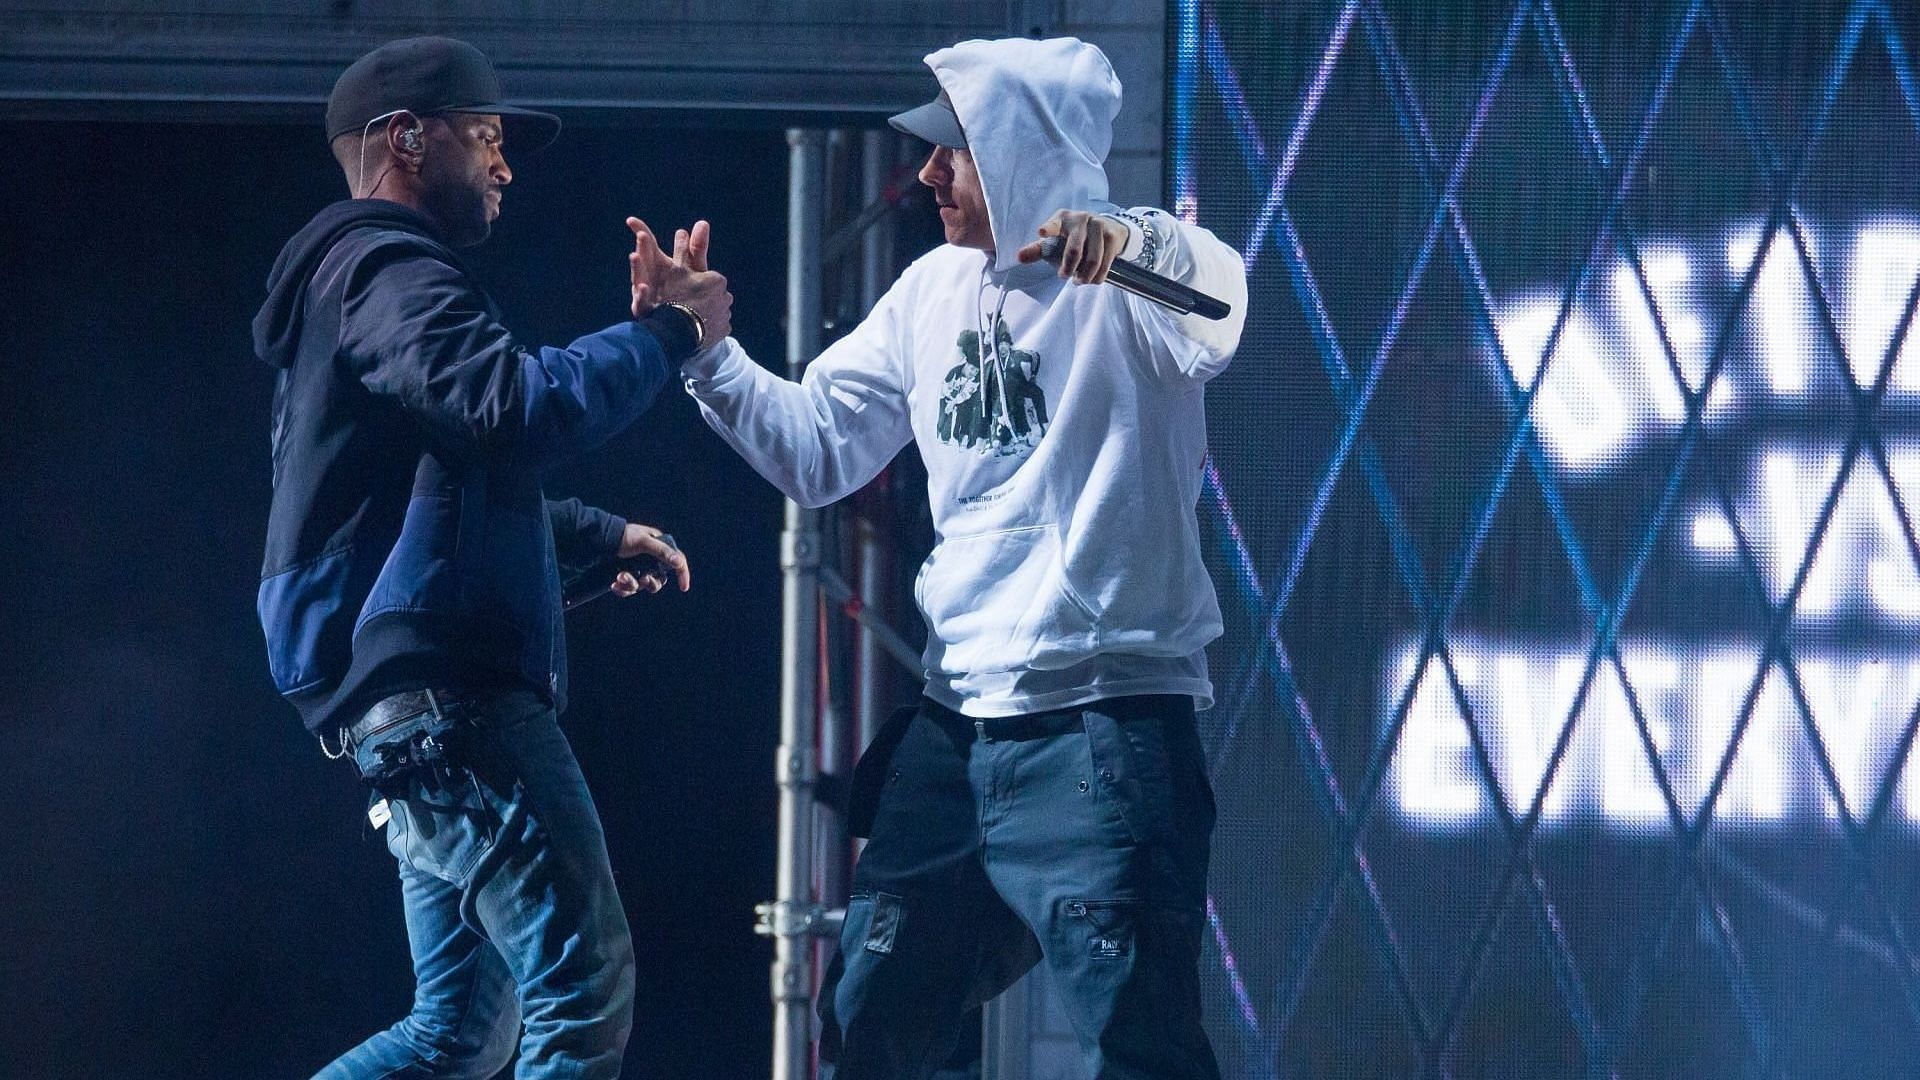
{"type": "Point", "coordinates": [1164, 291]}
{"type": "Point", "coordinates": [639, 566]}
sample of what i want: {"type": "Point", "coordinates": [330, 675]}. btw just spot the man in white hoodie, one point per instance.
{"type": "Point", "coordinates": [1048, 798]}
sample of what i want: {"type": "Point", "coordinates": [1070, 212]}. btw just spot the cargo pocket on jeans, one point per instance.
{"type": "Point", "coordinates": [1108, 930]}
{"type": "Point", "coordinates": [444, 827]}
{"type": "Point", "coordinates": [883, 927]}
{"type": "Point", "coordinates": [1131, 960]}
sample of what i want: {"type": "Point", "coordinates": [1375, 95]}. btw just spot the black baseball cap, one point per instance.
{"type": "Point", "coordinates": [426, 76]}
{"type": "Point", "coordinates": [935, 122]}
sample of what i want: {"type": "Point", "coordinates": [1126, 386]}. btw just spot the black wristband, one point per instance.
{"type": "Point", "coordinates": [674, 330]}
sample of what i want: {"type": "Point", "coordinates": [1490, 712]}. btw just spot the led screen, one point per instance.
{"type": "Point", "coordinates": [1562, 505]}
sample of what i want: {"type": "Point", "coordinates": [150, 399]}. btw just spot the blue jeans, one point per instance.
{"type": "Point", "coordinates": [511, 912]}
{"type": "Point", "coordinates": [1078, 837]}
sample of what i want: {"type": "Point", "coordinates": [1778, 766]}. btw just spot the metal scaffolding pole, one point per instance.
{"type": "Point", "coordinates": [816, 736]}
{"type": "Point", "coordinates": [837, 724]}
{"type": "Point", "coordinates": [876, 273]}
{"type": "Point", "coordinates": [796, 770]}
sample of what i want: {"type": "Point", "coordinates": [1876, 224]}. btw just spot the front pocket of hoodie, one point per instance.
{"type": "Point", "coordinates": [1000, 601]}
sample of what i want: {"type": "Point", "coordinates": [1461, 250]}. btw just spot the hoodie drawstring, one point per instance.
{"type": "Point", "coordinates": [991, 333]}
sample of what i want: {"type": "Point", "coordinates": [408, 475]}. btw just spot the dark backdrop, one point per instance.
{"type": "Point", "coordinates": [187, 889]}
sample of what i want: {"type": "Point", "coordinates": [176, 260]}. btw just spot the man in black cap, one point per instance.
{"type": "Point", "coordinates": [411, 594]}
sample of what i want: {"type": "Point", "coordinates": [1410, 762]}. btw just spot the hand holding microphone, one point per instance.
{"type": "Point", "coordinates": [648, 560]}
{"type": "Point", "coordinates": [1086, 247]}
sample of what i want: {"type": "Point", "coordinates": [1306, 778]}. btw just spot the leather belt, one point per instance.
{"type": "Point", "coordinates": [1030, 726]}
{"type": "Point", "coordinates": [391, 711]}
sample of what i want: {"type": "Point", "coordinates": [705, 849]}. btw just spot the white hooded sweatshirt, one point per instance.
{"type": "Point", "coordinates": [1062, 425]}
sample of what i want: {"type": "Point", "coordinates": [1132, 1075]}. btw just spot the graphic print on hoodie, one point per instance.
{"type": "Point", "coordinates": [991, 402]}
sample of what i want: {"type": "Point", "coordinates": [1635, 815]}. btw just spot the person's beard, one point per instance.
{"type": "Point", "coordinates": [461, 211]}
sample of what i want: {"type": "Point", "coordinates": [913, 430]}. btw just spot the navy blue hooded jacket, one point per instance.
{"type": "Point", "coordinates": [410, 545]}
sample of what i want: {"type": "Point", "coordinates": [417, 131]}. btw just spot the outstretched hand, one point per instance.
{"type": "Point", "coordinates": [682, 278]}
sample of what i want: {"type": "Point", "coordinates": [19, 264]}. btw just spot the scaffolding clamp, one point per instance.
{"type": "Point", "coordinates": [787, 919]}
{"type": "Point", "coordinates": [800, 549]}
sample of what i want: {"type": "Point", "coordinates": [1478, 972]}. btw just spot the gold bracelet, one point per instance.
{"type": "Point", "coordinates": [699, 324]}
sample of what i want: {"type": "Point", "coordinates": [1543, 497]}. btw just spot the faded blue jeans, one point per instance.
{"type": "Point", "coordinates": [511, 913]}
{"type": "Point", "coordinates": [1077, 837]}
